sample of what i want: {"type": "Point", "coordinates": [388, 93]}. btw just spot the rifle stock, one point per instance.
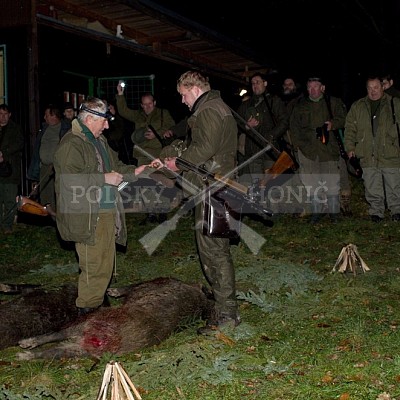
{"type": "Point", "coordinates": [283, 164]}
{"type": "Point", "coordinates": [232, 184]}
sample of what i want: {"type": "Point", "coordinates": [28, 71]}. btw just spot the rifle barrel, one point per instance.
{"type": "Point", "coordinates": [231, 191]}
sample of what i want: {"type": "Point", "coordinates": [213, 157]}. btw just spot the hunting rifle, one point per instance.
{"type": "Point", "coordinates": [239, 197]}
{"type": "Point", "coordinates": [283, 160]}
{"type": "Point", "coordinates": [152, 239]}
{"type": "Point", "coordinates": [353, 163]}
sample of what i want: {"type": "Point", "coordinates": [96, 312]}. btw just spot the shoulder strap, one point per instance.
{"type": "Point", "coordinates": [328, 105]}
{"type": "Point", "coordinates": [394, 119]}
{"type": "Point", "coordinates": [269, 107]}
{"type": "Point", "coordinates": [393, 113]}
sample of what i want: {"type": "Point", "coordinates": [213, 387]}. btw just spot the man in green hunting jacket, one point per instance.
{"type": "Point", "coordinates": [89, 206]}
{"type": "Point", "coordinates": [372, 133]}
{"type": "Point", "coordinates": [212, 142]}
{"type": "Point", "coordinates": [312, 123]}
{"type": "Point", "coordinates": [156, 204]}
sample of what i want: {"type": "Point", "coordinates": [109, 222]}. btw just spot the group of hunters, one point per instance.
{"type": "Point", "coordinates": [78, 169]}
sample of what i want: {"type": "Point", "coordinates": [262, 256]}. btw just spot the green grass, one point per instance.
{"type": "Point", "coordinates": [306, 332]}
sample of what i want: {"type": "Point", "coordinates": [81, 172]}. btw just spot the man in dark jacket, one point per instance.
{"type": "Point", "coordinates": [372, 133]}
{"type": "Point", "coordinates": [266, 113]}
{"type": "Point", "coordinates": [312, 123]}
{"type": "Point", "coordinates": [150, 146]}
{"type": "Point", "coordinates": [11, 146]}
{"type": "Point", "coordinates": [212, 143]}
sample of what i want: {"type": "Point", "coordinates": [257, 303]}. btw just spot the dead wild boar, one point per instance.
{"type": "Point", "coordinates": [34, 310]}
{"type": "Point", "coordinates": [150, 312]}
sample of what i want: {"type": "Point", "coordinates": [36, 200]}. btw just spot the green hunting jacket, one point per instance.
{"type": "Point", "coordinates": [78, 183]}
{"type": "Point", "coordinates": [273, 125]}
{"type": "Point", "coordinates": [11, 145]}
{"type": "Point", "coordinates": [382, 149]}
{"type": "Point", "coordinates": [213, 137]}
{"type": "Point", "coordinates": [160, 119]}
{"type": "Point", "coordinates": [306, 117]}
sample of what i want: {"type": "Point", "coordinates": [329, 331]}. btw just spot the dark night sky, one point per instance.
{"type": "Point", "coordinates": [338, 39]}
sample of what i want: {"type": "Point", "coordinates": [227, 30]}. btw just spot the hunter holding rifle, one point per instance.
{"type": "Point", "coordinates": [312, 123]}
{"type": "Point", "coordinates": [161, 120]}
{"type": "Point", "coordinates": [212, 142]}
{"type": "Point", "coordinates": [266, 114]}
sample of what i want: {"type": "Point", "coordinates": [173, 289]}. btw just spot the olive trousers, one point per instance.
{"type": "Point", "coordinates": [96, 263]}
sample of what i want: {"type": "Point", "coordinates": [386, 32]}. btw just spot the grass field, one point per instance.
{"type": "Point", "coordinates": [306, 333]}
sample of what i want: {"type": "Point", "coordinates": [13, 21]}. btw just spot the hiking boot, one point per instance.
{"type": "Point", "coordinates": [214, 326]}
{"type": "Point", "coordinates": [162, 218]}
{"type": "Point", "coordinates": [396, 217]}
{"type": "Point", "coordinates": [316, 218]}
{"type": "Point", "coordinates": [149, 219]}
{"type": "Point", "coordinates": [376, 219]}
{"type": "Point", "coordinates": [85, 310]}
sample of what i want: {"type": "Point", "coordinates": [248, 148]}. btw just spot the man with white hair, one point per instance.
{"type": "Point", "coordinates": [89, 206]}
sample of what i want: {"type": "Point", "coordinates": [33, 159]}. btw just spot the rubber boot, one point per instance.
{"type": "Point", "coordinates": [333, 208]}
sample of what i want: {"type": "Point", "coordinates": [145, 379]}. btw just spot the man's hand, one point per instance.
{"type": "Point", "coordinates": [120, 89]}
{"type": "Point", "coordinates": [156, 163]}
{"type": "Point", "coordinates": [252, 122]}
{"type": "Point", "coordinates": [113, 178]}
{"type": "Point", "coordinates": [167, 134]}
{"type": "Point", "coordinates": [140, 169]}
{"type": "Point", "coordinates": [149, 135]}
{"type": "Point", "coordinates": [328, 125]}
{"type": "Point", "coordinates": [351, 154]}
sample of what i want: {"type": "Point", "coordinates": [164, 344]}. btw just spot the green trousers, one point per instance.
{"type": "Point", "coordinates": [8, 209]}
{"type": "Point", "coordinates": [96, 263]}
{"type": "Point", "coordinates": [218, 269]}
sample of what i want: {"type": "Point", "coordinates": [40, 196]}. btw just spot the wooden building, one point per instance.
{"type": "Point", "coordinates": [57, 50]}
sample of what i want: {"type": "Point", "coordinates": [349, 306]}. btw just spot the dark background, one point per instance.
{"type": "Point", "coordinates": [343, 41]}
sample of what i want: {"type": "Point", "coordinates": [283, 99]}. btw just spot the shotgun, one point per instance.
{"type": "Point", "coordinates": [284, 162]}
{"type": "Point", "coordinates": [282, 165]}
{"type": "Point", "coordinates": [239, 197]}
{"type": "Point", "coordinates": [353, 163]}
{"type": "Point", "coordinates": [151, 240]}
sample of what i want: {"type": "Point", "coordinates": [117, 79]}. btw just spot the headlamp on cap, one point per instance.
{"type": "Point", "coordinates": [106, 115]}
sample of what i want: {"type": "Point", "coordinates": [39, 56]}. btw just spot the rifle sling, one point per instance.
{"type": "Point", "coordinates": [157, 135]}
{"type": "Point", "coordinates": [336, 133]}
{"type": "Point", "coordinates": [394, 119]}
